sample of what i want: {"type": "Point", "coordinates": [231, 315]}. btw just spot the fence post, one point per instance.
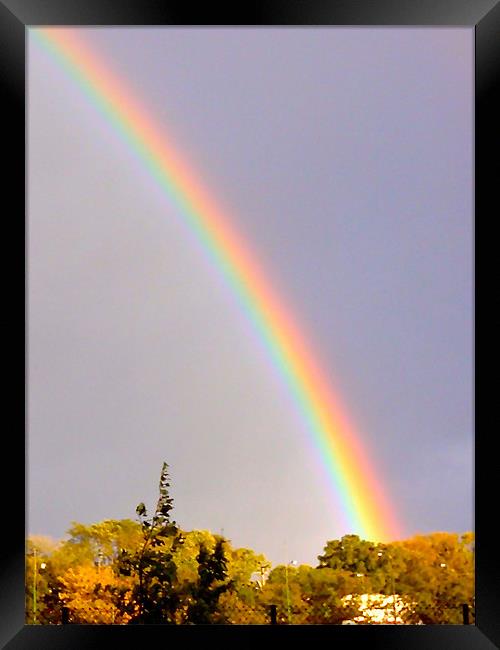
{"type": "Point", "coordinates": [465, 614]}
{"type": "Point", "coordinates": [65, 615]}
{"type": "Point", "coordinates": [272, 611]}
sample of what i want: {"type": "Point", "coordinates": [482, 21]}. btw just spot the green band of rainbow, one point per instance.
{"type": "Point", "coordinates": [352, 476]}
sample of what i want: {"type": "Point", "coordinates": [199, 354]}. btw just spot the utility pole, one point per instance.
{"type": "Point", "coordinates": [393, 593]}
{"type": "Point", "coordinates": [293, 563]}
{"type": "Point", "coordinates": [34, 586]}
{"type": "Point", "coordinates": [35, 582]}
{"type": "Point", "coordinates": [287, 595]}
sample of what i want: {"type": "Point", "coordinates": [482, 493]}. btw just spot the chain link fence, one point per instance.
{"type": "Point", "coordinates": [356, 610]}
{"type": "Point", "coordinates": [323, 614]}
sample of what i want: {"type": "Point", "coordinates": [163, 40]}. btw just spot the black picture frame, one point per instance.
{"type": "Point", "coordinates": [483, 16]}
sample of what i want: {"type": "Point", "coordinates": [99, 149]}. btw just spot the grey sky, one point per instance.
{"type": "Point", "coordinates": [345, 158]}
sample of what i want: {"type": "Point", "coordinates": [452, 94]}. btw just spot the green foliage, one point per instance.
{"type": "Point", "coordinates": [361, 566]}
{"type": "Point", "coordinates": [310, 595]}
{"type": "Point", "coordinates": [245, 567]}
{"type": "Point", "coordinates": [351, 554]}
{"type": "Point", "coordinates": [152, 563]}
{"type": "Point", "coordinates": [212, 583]}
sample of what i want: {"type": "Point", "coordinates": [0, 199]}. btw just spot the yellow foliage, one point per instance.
{"type": "Point", "coordinates": [96, 595]}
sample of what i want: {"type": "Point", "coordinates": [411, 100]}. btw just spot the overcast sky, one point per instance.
{"type": "Point", "coordinates": [344, 156]}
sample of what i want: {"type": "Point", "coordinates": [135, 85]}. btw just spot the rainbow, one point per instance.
{"type": "Point", "coordinates": [345, 460]}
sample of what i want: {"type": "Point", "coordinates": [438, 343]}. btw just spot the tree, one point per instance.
{"type": "Point", "coordinates": [62, 566]}
{"type": "Point", "coordinates": [246, 568]}
{"type": "Point", "coordinates": [212, 583]}
{"type": "Point", "coordinates": [98, 544]}
{"type": "Point", "coordinates": [311, 595]}
{"type": "Point", "coordinates": [351, 554]}
{"type": "Point", "coordinates": [243, 570]}
{"type": "Point", "coordinates": [153, 563]}
{"type": "Point", "coordinates": [366, 567]}
{"type": "Point", "coordinates": [438, 575]}
{"type": "Point", "coordinates": [97, 595]}
{"type": "Point", "coordinates": [185, 555]}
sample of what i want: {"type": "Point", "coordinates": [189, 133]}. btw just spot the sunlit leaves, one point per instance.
{"type": "Point", "coordinates": [96, 595]}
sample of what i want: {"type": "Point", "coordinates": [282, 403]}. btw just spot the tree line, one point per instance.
{"type": "Point", "coordinates": [151, 571]}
